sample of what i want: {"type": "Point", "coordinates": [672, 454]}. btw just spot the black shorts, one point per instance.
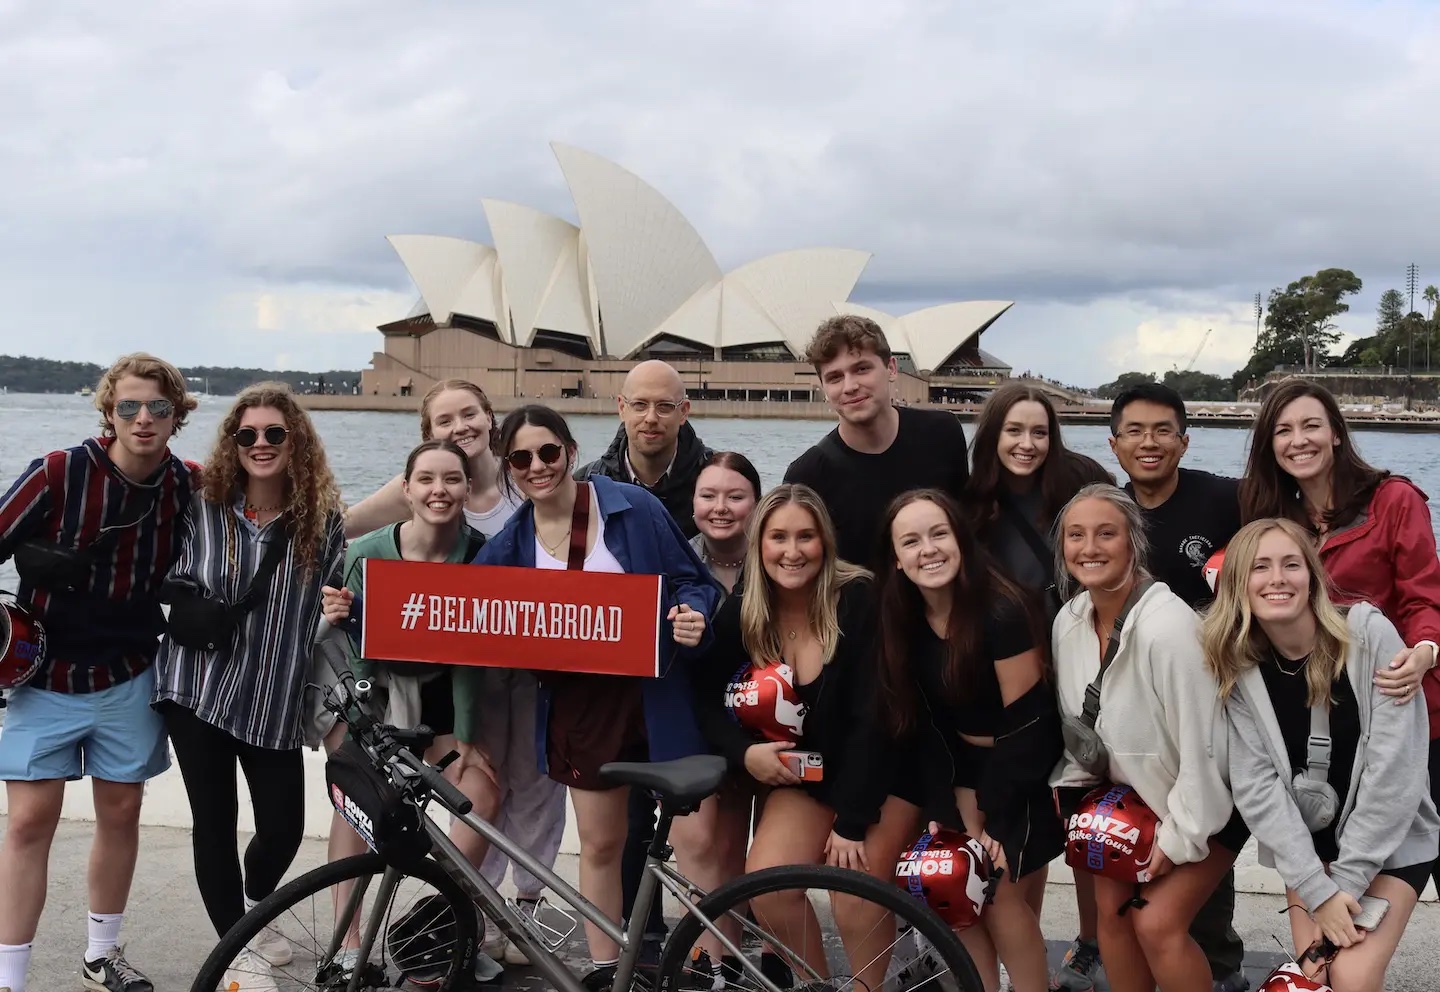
{"type": "Point", "coordinates": [1415, 876]}
{"type": "Point", "coordinates": [437, 704]}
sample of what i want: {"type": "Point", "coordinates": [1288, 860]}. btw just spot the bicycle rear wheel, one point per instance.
{"type": "Point", "coordinates": [426, 931]}
{"type": "Point", "coordinates": [878, 920]}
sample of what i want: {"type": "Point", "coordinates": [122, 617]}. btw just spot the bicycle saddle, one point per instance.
{"type": "Point", "coordinates": [683, 782]}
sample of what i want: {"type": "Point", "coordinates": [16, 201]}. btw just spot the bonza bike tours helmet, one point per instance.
{"type": "Point", "coordinates": [1112, 834]}
{"type": "Point", "coordinates": [951, 873]}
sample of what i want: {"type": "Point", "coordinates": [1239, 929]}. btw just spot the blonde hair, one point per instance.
{"type": "Point", "coordinates": [1234, 643]}
{"type": "Point", "coordinates": [759, 631]}
{"type": "Point", "coordinates": [143, 366]}
{"type": "Point", "coordinates": [1065, 583]}
{"type": "Point", "coordinates": [427, 428]}
{"type": "Point", "coordinates": [311, 494]}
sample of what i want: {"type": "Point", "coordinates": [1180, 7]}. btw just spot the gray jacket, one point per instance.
{"type": "Point", "coordinates": [1386, 821]}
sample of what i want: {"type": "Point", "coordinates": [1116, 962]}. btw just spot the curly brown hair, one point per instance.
{"type": "Point", "coordinates": [311, 492]}
{"type": "Point", "coordinates": [845, 333]}
{"type": "Point", "coordinates": [143, 366]}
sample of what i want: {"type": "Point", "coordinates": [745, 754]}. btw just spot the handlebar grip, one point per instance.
{"type": "Point", "coordinates": [439, 784]}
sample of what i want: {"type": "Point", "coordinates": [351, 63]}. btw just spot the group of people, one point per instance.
{"type": "Point", "coordinates": [976, 636]}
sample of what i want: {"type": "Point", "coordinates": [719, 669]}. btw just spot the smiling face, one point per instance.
{"type": "Point", "coordinates": [926, 548]}
{"type": "Point", "coordinates": [437, 487]}
{"type": "Point", "coordinates": [539, 481]}
{"type": "Point", "coordinates": [456, 415]}
{"type": "Point", "coordinates": [791, 548]}
{"type": "Point", "coordinates": [857, 385]}
{"type": "Point", "coordinates": [1097, 544]}
{"type": "Point", "coordinates": [264, 460]}
{"type": "Point", "coordinates": [143, 437]}
{"type": "Point", "coordinates": [1024, 439]}
{"type": "Point", "coordinates": [723, 502]}
{"type": "Point", "coordinates": [1148, 442]}
{"type": "Point", "coordinates": [1304, 441]}
{"type": "Point", "coordinates": [653, 408]}
{"type": "Point", "coordinates": [1278, 586]}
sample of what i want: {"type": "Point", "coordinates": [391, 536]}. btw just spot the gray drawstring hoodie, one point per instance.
{"type": "Point", "coordinates": [1386, 821]}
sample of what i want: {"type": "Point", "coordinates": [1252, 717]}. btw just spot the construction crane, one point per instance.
{"type": "Point", "coordinates": [1198, 348]}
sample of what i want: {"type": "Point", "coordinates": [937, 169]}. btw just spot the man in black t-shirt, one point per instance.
{"type": "Point", "coordinates": [1189, 516]}
{"type": "Point", "coordinates": [878, 451]}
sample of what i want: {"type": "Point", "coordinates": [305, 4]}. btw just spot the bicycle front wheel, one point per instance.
{"type": "Point", "coordinates": [864, 937]}
{"type": "Point", "coordinates": [423, 926]}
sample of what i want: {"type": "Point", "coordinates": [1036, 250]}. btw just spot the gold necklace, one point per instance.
{"type": "Point", "coordinates": [554, 552]}
{"type": "Point", "coordinates": [1285, 671]}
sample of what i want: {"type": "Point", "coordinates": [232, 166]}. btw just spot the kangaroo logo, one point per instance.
{"type": "Point", "coordinates": [788, 714]}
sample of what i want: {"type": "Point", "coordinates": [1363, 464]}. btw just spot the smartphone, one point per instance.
{"type": "Point", "coordinates": [808, 766]}
{"type": "Point", "coordinates": [1372, 911]}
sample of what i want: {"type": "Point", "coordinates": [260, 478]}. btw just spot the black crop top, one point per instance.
{"type": "Point", "coordinates": [974, 709]}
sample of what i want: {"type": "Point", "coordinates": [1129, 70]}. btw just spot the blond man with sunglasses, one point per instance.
{"type": "Point", "coordinates": [93, 531]}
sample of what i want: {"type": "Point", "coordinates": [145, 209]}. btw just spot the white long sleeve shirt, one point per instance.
{"type": "Point", "coordinates": [1161, 719]}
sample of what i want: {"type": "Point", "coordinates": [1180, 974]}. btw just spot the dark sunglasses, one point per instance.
{"type": "Point", "coordinates": [247, 436]}
{"type": "Point", "coordinates": [520, 458]}
{"type": "Point", "coordinates": [130, 409]}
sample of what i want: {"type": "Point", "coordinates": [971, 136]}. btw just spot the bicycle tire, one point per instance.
{"type": "Point", "coordinates": [317, 881]}
{"type": "Point", "coordinates": [736, 892]}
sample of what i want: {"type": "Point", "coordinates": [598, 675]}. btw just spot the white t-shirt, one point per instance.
{"type": "Point", "coordinates": [493, 520]}
{"type": "Point", "coordinates": [598, 560]}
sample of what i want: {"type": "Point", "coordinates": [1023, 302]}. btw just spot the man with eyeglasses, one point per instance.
{"type": "Point", "coordinates": [657, 449]}
{"type": "Point", "coordinates": [93, 532]}
{"type": "Point", "coordinates": [1189, 515]}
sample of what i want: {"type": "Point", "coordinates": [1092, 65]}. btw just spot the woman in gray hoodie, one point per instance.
{"type": "Point", "coordinates": [1328, 772]}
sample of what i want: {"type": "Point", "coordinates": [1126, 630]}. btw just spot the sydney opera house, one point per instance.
{"type": "Point", "coordinates": [555, 310]}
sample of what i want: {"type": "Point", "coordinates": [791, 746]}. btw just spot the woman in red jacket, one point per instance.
{"type": "Point", "coordinates": [1373, 528]}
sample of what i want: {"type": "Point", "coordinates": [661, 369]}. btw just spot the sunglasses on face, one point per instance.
{"type": "Point", "coordinates": [130, 409]}
{"type": "Point", "coordinates": [247, 436]}
{"type": "Point", "coordinates": [521, 458]}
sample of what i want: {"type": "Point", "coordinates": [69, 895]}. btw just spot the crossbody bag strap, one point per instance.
{"type": "Point", "coordinates": [1091, 711]}
{"type": "Point", "coordinates": [1318, 745]}
{"type": "Point", "coordinates": [579, 527]}
{"type": "Point", "coordinates": [274, 551]}
{"type": "Point", "coordinates": [1042, 552]}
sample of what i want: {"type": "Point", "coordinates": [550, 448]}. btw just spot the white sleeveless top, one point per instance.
{"type": "Point", "coordinates": [598, 560]}
{"type": "Point", "coordinates": [493, 520]}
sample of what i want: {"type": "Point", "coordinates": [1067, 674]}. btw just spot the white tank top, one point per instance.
{"type": "Point", "coordinates": [598, 560]}
{"type": "Point", "coordinates": [493, 520]}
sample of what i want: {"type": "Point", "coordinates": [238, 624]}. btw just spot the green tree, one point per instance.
{"type": "Point", "coordinates": [1199, 385]}
{"type": "Point", "coordinates": [1390, 313]}
{"type": "Point", "coordinates": [1300, 323]}
{"type": "Point", "coordinates": [1123, 382]}
{"type": "Point", "coordinates": [1431, 296]}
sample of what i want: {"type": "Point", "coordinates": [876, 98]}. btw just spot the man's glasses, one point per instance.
{"type": "Point", "coordinates": [521, 458]}
{"type": "Point", "coordinates": [1161, 435]}
{"type": "Point", "coordinates": [664, 408]}
{"type": "Point", "coordinates": [130, 409]}
{"type": "Point", "coordinates": [247, 436]}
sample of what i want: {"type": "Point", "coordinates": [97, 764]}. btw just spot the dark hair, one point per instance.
{"type": "Point", "coordinates": [434, 444]}
{"type": "Point", "coordinates": [1060, 476]}
{"type": "Point", "coordinates": [847, 332]}
{"type": "Point", "coordinates": [1150, 392]}
{"type": "Point", "coordinates": [532, 415]}
{"type": "Point", "coordinates": [735, 462]}
{"type": "Point", "coordinates": [1269, 491]}
{"type": "Point", "coordinates": [978, 588]}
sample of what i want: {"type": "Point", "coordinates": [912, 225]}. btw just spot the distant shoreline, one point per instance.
{"type": "Point", "coordinates": [1238, 416]}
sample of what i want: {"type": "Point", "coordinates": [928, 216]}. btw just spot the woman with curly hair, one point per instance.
{"type": "Point", "coordinates": [263, 535]}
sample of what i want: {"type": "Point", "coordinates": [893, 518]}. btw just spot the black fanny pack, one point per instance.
{"type": "Point", "coordinates": [376, 810]}
{"type": "Point", "coordinates": [56, 568]}
{"type": "Point", "coordinates": [207, 623]}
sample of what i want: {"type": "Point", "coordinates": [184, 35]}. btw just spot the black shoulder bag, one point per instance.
{"type": "Point", "coordinates": [1042, 552]}
{"type": "Point", "coordinates": [204, 623]}
{"type": "Point", "coordinates": [56, 568]}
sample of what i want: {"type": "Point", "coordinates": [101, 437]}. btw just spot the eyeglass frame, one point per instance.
{"type": "Point", "coordinates": [1134, 435]}
{"type": "Point", "coordinates": [266, 434]}
{"type": "Point", "coordinates": [166, 405]}
{"type": "Point", "coordinates": [642, 407]}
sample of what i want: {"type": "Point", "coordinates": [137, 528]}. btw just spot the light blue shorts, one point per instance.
{"type": "Point", "coordinates": [112, 734]}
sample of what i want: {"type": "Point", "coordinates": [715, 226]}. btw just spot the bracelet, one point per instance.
{"type": "Point", "coordinates": [1434, 652]}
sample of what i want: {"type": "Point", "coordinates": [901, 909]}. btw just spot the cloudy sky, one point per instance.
{"type": "Point", "coordinates": [214, 180]}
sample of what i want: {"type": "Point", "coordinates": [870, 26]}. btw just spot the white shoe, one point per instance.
{"type": "Point", "coordinates": [273, 946]}
{"type": "Point", "coordinates": [249, 972]}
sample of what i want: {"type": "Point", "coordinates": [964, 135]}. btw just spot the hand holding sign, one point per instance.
{"type": "Point", "coordinates": [335, 604]}
{"type": "Point", "coordinates": [689, 625]}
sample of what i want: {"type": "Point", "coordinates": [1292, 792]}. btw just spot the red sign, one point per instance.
{"type": "Point", "coordinates": [501, 617]}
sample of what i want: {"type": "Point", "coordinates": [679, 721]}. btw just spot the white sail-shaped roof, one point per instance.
{"type": "Point", "coordinates": [540, 271]}
{"type": "Point", "coordinates": [932, 335]}
{"type": "Point", "coordinates": [442, 269]}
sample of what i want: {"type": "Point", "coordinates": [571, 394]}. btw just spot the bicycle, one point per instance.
{"type": "Point", "coordinates": [437, 935]}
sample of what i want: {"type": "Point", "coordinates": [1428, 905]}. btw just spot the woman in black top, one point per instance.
{"type": "Point", "coordinates": [984, 718]}
{"type": "Point", "coordinates": [792, 668]}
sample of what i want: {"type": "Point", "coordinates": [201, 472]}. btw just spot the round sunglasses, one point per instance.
{"type": "Point", "coordinates": [521, 458]}
{"type": "Point", "coordinates": [160, 409]}
{"type": "Point", "coordinates": [247, 436]}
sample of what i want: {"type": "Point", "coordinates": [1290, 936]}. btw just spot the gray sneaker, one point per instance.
{"type": "Point", "coordinates": [1081, 970]}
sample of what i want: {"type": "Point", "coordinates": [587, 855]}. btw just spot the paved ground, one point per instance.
{"type": "Point", "coordinates": [168, 933]}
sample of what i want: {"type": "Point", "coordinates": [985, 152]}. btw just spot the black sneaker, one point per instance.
{"type": "Point", "coordinates": [112, 973]}
{"type": "Point", "coordinates": [701, 974]}
{"type": "Point", "coordinates": [774, 968]}
{"type": "Point", "coordinates": [600, 979]}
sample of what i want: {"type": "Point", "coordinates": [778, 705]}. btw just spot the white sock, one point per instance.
{"type": "Point", "coordinates": [250, 903]}
{"type": "Point", "coordinates": [104, 933]}
{"type": "Point", "coordinates": [14, 961]}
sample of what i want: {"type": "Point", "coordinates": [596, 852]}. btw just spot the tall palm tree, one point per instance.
{"type": "Point", "coordinates": [1431, 297]}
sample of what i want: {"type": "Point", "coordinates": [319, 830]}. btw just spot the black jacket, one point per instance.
{"type": "Point", "coordinates": [676, 490]}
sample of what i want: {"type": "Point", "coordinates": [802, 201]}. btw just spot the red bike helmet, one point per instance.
{"type": "Point", "coordinates": [1212, 568]}
{"type": "Point", "coordinates": [22, 645]}
{"type": "Point", "coordinates": [952, 873]}
{"type": "Point", "coordinates": [1289, 978]}
{"type": "Point", "coordinates": [1112, 834]}
{"type": "Point", "coordinates": [764, 700]}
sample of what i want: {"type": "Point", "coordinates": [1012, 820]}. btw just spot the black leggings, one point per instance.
{"type": "Point", "coordinates": [1435, 796]}
{"type": "Point", "coordinates": [207, 757]}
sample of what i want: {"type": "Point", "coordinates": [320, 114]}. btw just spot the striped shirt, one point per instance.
{"type": "Point", "coordinates": [105, 633]}
{"type": "Point", "coordinates": [252, 688]}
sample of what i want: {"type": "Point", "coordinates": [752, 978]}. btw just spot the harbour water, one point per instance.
{"type": "Point", "coordinates": [367, 448]}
